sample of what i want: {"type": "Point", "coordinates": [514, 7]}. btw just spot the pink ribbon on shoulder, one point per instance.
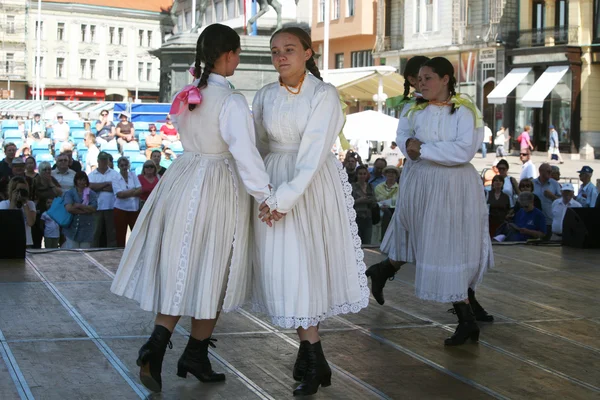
{"type": "Point", "coordinates": [189, 95]}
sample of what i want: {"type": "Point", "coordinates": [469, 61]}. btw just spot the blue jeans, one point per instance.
{"type": "Point", "coordinates": [483, 150]}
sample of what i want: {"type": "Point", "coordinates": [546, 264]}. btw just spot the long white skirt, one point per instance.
{"type": "Point", "coordinates": [188, 253]}
{"type": "Point", "coordinates": [309, 265]}
{"type": "Point", "coordinates": [441, 224]}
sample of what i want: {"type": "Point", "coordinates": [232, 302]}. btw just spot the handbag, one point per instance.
{"type": "Point", "coordinates": [59, 213]}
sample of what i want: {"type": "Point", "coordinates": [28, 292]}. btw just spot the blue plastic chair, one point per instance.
{"type": "Point", "coordinates": [109, 146]}
{"type": "Point", "coordinates": [44, 157]}
{"type": "Point", "coordinates": [176, 148]}
{"type": "Point", "coordinates": [41, 147]}
{"type": "Point", "coordinates": [10, 135]}
{"type": "Point", "coordinates": [136, 160]}
{"type": "Point", "coordinates": [76, 124]}
{"type": "Point", "coordinates": [10, 124]}
{"type": "Point", "coordinates": [142, 140]}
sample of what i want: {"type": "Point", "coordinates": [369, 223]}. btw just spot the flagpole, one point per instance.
{"type": "Point", "coordinates": [326, 40]}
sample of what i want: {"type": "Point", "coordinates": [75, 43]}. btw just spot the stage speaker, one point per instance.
{"type": "Point", "coordinates": [12, 234]}
{"type": "Point", "coordinates": [581, 228]}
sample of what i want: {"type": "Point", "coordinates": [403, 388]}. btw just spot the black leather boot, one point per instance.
{"type": "Point", "coordinates": [150, 358]}
{"type": "Point", "coordinates": [317, 373]}
{"type": "Point", "coordinates": [467, 327]}
{"type": "Point", "coordinates": [379, 274]}
{"type": "Point", "coordinates": [480, 313]}
{"type": "Point", "coordinates": [195, 361]}
{"type": "Point", "coordinates": [301, 361]}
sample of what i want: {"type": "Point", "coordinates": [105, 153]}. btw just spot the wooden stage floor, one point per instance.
{"type": "Point", "coordinates": [63, 335]}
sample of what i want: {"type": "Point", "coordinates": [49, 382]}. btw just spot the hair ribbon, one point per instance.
{"type": "Point", "coordinates": [189, 95]}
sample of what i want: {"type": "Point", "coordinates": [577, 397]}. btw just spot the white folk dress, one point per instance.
{"type": "Point", "coordinates": [189, 252]}
{"type": "Point", "coordinates": [441, 219]}
{"type": "Point", "coordinates": [309, 266]}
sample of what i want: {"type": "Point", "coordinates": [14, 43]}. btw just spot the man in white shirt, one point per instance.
{"type": "Point", "coordinates": [587, 191]}
{"type": "Point", "coordinates": [559, 208]}
{"type": "Point", "coordinates": [553, 147]}
{"type": "Point", "coordinates": [393, 155]}
{"type": "Point", "coordinates": [37, 130]}
{"type": "Point", "coordinates": [91, 158]}
{"type": "Point", "coordinates": [487, 138]}
{"type": "Point", "coordinates": [499, 142]}
{"type": "Point", "coordinates": [101, 182]}
{"type": "Point", "coordinates": [63, 174]}
{"type": "Point", "coordinates": [61, 130]}
{"type": "Point", "coordinates": [528, 170]}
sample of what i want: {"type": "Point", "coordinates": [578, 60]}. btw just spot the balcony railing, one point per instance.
{"type": "Point", "coordinates": [551, 36]}
{"type": "Point", "coordinates": [474, 34]}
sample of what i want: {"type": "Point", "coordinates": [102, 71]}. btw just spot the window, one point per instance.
{"type": "Point", "coordinates": [10, 63]}
{"type": "Point", "coordinates": [350, 9]}
{"type": "Point", "coordinates": [120, 72]}
{"type": "Point", "coordinates": [140, 71]}
{"type": "Point", "coordinates": [111, 70]}
{"type": "Point", "coordinates": [92, 69]}
{"type": "Point", "coordinates": [121, 36]}
{"type": "Point", "coordinates": [362, 58]}
{"type": "Point", "coordinates": [60, 31]}
{"type": "Point", "coordinates": [60, 67]}
{"type": "Point", "coordinates": [335, 13]}
{"type": "Point", "coordinates": [596, 29]}
{"type": "Point", "coordinates": [41, 29]}
{"type": "Point", "coordinates": [321, 10]}
{"type": "Point", "coordinates": [429, 15]}
{"type": "Point", "coordinates": [180, 22]}
{"type": "Point", "coordinates": [188, 20]}
{"type": "Point", "coordinates": [83, 31]}
{"type": "Point", "coordinates": [538, 22]}
{"type": "Point", "coordinates": [111, 35]}
{"type": "Point", "coordinates": [10, 24]}
{"type": "Point", "coordinates": [40, 64]}
{"type": "Point", "coordinates": [141, 35]}
{"type": "Point", "coordinates": [149, 72]}
{"type": "Point", "coordinates": [230, 5]}
{"type": "Point", "coordinates": [219, 10]}
{"type": "Point", "coordinates": [149, 34]}
{"type": "Point", "coordinates": [339, 60]}
{"type": "Point", "coordinates": [92, 33]}
{"type": "Point", "coordinates": [82, 68]}
{"type": "Point", "coordinates": [561, 22]}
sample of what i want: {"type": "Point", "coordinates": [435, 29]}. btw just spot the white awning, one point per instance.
{"type": "Point", "coordinates": [542, 87]}
{"type": "Point", "coordinates": [507, 85]}
{"type": "Point", "coordinates": [362, 83]}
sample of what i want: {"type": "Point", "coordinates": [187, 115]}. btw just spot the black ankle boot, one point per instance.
{"type": "Point", "coordinates": [195, 361]}
{"type": "Point", "coordinates": [317, 373]}
{"type": "Point", "coordinates": [150, 358]}
{"type": "Point", "coordinates": [379, 274]}
{"type": "Point", "coordinates": [480, 313]}
{"type": "Point", "coordinates": [301, 361]}
{"type": "Point", "coordinates": [467, 327]}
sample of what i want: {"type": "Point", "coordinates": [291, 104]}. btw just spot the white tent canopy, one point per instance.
{"type": "Point", "coordinates": [370, 125]}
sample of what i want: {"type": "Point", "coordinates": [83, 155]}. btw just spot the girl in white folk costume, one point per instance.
{"type": "Point", "coordinates": [441, 220]}
{"type": "Point", "coordinates": [309, 266]}
{"type": "Point", "coordinates": [189, 253]}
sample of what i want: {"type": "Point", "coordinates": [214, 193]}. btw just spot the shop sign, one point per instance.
{"type": "Point", "coordinates": [487, 55]}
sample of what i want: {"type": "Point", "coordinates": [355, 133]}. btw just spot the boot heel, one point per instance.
{"type": "Point", "coordinates": [475, 336]}
{"type": "Point", "coordinates": [182, 372]}
{"type": "Point", "coordinates": [326, 381]}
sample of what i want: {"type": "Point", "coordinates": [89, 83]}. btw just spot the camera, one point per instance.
{"type": "Point", "coordinates": [23, 196]}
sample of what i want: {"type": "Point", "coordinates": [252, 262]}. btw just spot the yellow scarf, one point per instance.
{"type": "Point", "coordinates": [458, 101]}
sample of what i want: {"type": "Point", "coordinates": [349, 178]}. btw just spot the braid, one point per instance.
{"type": "Point", "coordinates": [452, 88]}
{"type": "Point", "coordinates": [406, 89]}
{"type": "Point", "coordinates": [312, 67]}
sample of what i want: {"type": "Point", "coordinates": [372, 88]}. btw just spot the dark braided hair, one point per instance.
{"type": "Point", "coordinates": [306, 42]}
{"type": "Point", "coordinates": [412, 70]}
{"type": "Point", "coordinates": [442, 67]}
{"type": "Point", "coordinates": [214, 41]}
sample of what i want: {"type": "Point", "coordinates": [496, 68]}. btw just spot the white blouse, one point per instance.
{"type": "Point", "coordinates": [119, 185]}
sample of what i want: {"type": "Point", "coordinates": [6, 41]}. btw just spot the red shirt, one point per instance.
{"type": "Point", "coordinates": [147, 187]}
{"type": "Point", "coordinates": [168, 131]}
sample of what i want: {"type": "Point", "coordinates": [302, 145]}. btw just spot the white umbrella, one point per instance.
{"type": "Point", "coordinates": [370, 125]}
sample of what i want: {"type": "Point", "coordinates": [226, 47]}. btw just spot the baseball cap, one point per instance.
{"type": "Point", "coordinates": [59, 115]}
{"type": "Point", "coordinates": [551, 126]}
{"type": "Point", "coordinates": [586, 170]}
{"type": "Point", "coordinates": [18, 161]}
{"type": "Point", "coordinates": [567, 186]}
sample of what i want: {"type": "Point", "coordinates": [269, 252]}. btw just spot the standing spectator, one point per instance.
{"type": "Point", "coordinates": [487, 138]}
{"type": "Point", "coordinates": [364, 201]}
{"type": "Point", "coordinates": [61, 130]}
{"type": "Point", "coordinates": [82, 202]}
{"type": "Point", "coordinates": [45, 185]}
{"type": "Point", "coordinates": [386, 194]}
{"type": "Point", "coordinates": [524, 140]}
{"type": "Point", "coordinates": [501, 138]}
{"type": "Point", "coordinates": [50, 228]}
{"type": "Point", "coordinates": [548, 190]}
{"type": "Point", "coordinates": [148, 179]}
{"type": "Point", "coordinates": [18, 199]}
{"type": "Point", "coordinates": [37, 130]}
{"type": "Point", "coordinates": [511, 187]}
{"type": "Point", "coordinates": [67, 149]}
{"type": "Point", "coordinates": [350, 165]}
{"type": "Point", "coordinates": [155, 157]}
{"type": "Point", "coordinates": [499, 204]}
{"type": "Point", "coordinates": [18, 169]}
{"type": "Point", "coordinates": [153, 141]}
{"type": "Point", "coordinates": [555, 173]}
{"type": "Point", "coordinates": [377, 176]}
{"type": "Point", "coordinates": [101, 182]}
{"type": "Point", "coordinates": [125, 130]}
{"type": "Point", "coordinates": [528, 170]}
{"type": "Point", "coordinates": [91, 158]}
{"type": "Point", "coordinates": [559, 208]}
{"type": "Point", "coordinates": [127, 189]}
{"type": "Point", "coordinates": [553, 147]}
{"type": "Point", "coordinates": [587, 191]}
{"type": "Point", "coordinates": [392, 155]}
{"type": "Point", "coordinates": [63, 174]}
{"type": "Point", "coordinates": [169, 133]}
{"type": "Point", "coordinates": [105, 129]}
{"type": "Point", "coordinates": [10, 151]}
{"type": "Point", "coordinates": [30, 167]}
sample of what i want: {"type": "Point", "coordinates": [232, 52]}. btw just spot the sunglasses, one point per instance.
{"type": "Point", "coordinates": [150, 166]}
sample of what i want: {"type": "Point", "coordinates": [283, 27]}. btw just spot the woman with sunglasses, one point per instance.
{"type": "Point", "coordinates": [153, 141]}
{"type": "Point", "coordinates": [45, 185]}
{"type": "Point", "coordinates": [511, 187]}
{"type": "Point", "coordinates": [148, 179]}
{"type": "Point", "coordinates": [105, 128]}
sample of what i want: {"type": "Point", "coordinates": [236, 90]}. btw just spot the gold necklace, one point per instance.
{"type": "Point", "coordinates": [299, 87]}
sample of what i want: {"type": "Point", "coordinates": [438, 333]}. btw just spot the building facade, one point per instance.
{"type": "Point", "coordinates": [13, 48]}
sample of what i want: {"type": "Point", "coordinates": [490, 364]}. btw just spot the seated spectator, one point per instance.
{"type": "Point", "coordinates": [24, 151]}
{"type": "Point", "coordinates": [50, 228]}
{"type": "Point", "coordinates": [61, 130]}
{"type": "Point", "coordinates": [587, 191]}
{"type": "Point", "coordinates": [559, 208]}
{"type": "Point", "coordinates": [364, 201]}
{"type": "Point", "coordinates": [376, 172]}
{"type": "Point", "coordinates": [18, 199]}
{"type": "Point", "coordinates": [105, 128]}
{"type": "Point", "coordinates": [91, 158]}
{"type": "Point", "coordinates": [45, 185]}
{"type": "Point", "coordinates": [63, 174]}
{"type": "Point", "coordinates": [499, 205]}
{"type": "Point", "coordinates": [31, 167]}
{"type": "Point", "coordinates": [148, 179]}
{"type": "Point", "coordinates": [169, 133]}
{"type": "Point", "coordinates": [528, 170]}
{"type": "Point", "coordinates": [488, 176]}
{"type": "Point", "coordinates": [10, 152]}
{"type": "Point", "coordinates": [153, 141]}
{"type": "Point", "coordinates": [127, 189]}
{"type": "Point", "coordinates": [548, 190]}
{"type": "Point", "coordinates": [67, 149]}
{"type": "Point", "coordinates": [156, 157]}
{"type": "Point", "coordinates": [125, 130]}
{"type": "Point", "coordinates": [37, 131]}
{"type": "Point", "coordinates": [511, 187]}
{"type": "Point", "coordinates": [81, 202]}
{"type": "Point", "coordinates": [528, 223]}
{"type": "Point", "coordinates": [386, 194]}
{"type": "Point", "coordinates": [526, 185]}
{"type": "Point", "coordinates": [350, 165]}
